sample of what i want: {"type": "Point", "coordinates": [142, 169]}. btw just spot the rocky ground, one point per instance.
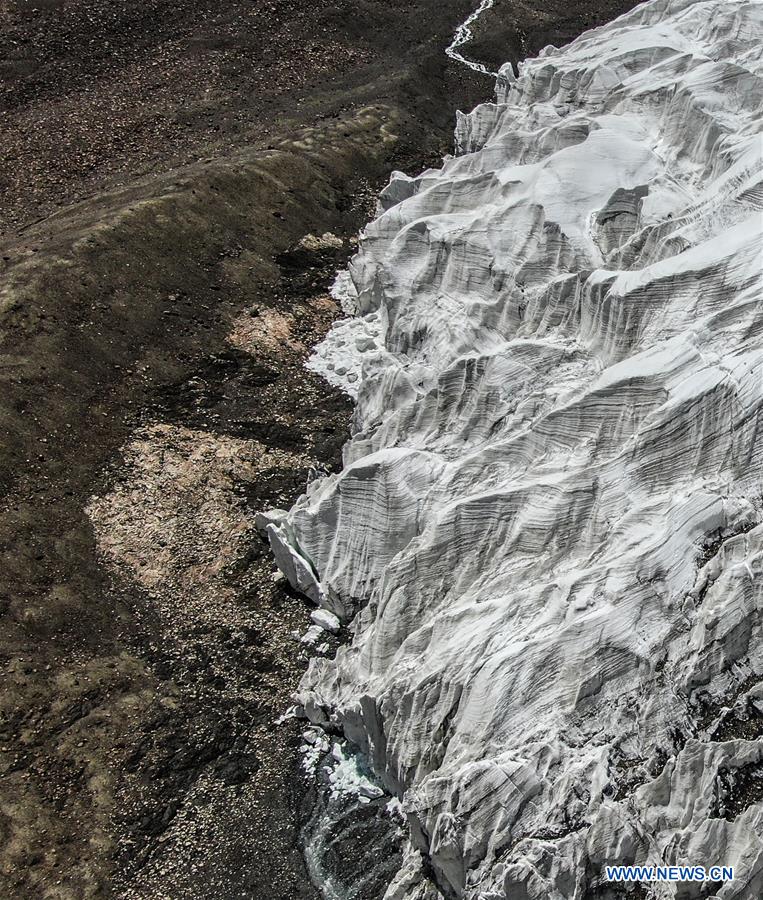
{"type": "Point", "coordinates": [162, 166]}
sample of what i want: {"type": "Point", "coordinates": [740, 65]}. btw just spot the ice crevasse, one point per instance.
{"type": "Point", "coordinates": [547, 536]}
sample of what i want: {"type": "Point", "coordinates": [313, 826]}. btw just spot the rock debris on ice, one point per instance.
{"type": "Point", "coordinates": [547, 535]}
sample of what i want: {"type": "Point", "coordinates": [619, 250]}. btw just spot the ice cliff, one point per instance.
{"type": "Point", "coordinates": [546, 539]}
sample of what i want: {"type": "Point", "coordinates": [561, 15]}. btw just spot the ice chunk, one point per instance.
{"type": "Point", "coordinates": [326, 620]}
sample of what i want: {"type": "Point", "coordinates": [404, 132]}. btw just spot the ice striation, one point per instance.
{"type": "Point", "coordinates": [547, 538]}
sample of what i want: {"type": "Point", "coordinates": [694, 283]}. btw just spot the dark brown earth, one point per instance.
{"type": "Point", "coordinates": [161, 163]}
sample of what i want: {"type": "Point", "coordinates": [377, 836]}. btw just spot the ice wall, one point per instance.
{"type": "Point", "coordinates": [547, 535]}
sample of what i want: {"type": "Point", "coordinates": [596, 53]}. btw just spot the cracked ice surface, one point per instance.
{"type": "Point", "coordinates": [547, 534]}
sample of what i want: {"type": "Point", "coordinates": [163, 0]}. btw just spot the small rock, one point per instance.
{"type": "Point", "coordinates": [327, 241]}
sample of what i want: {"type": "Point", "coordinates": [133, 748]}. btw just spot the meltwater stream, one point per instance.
{"type": "Point", "coordinates": [463, 35]}
{"type": "Point", "coordinates": [353, 841]}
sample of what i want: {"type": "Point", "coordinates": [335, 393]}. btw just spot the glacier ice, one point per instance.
{"type": "Point", "coordinates": [325, 620]}
{"type": "Point", "coordinates": [547, 536]}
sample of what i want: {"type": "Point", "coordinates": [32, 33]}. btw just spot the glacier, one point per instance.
{"type": "Point", "coordinates": [546, 541]}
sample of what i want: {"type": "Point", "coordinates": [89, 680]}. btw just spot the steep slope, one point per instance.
{"type": "Point", "coordinates": [547, 535]}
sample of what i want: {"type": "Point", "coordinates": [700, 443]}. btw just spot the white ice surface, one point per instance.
{"type": "Point", "coordinates": [559, 384]}
{"type": "Point", "coordinates": [325, 620]}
